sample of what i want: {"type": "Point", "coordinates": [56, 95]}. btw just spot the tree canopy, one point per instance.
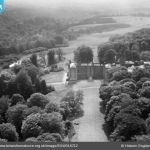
{"type": "Point", "coordinates": [83, 54]}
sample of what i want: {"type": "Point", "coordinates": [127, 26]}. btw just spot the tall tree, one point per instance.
{"type": "Point", "coordinates": [145, 56]}
{"type": "Point", "coordinates": [102, 49]}
{"type": "Point", "coordinates": [43, 87]}
{"type": "Point", "coordinates": [24, 84]}
{"type": "Point", "coordinates": [33, 59]}
{"type": "Point", "coordinates": [51, 57]}
{"type": "Point", "coordinates": [83, 54]}
{"type": "Point", "coordinates": [110, 56]}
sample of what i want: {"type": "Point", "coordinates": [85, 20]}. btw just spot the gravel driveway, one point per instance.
{"type": "Point", "coordinates": [90, 126]}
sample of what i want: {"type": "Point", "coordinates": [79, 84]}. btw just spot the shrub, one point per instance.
{"type": "Point", "coordinates": [51, 107]}
{"type": "Point", "coordinates": [126, 89]}
{"type": "Point", "coordinates": [65, 110]}
{"type": "Point", "coordinates": [37, 85]}
{"type": "Point", "coordinates": [122, 101]}
{"type": "Point", "coordinates": [1, 119]}
{"type": "Point", "coordinates": [6, 75]}
{"type": "Point", "coordinates": [144, 106]}
{"type": "Point", "coordinates": [51, 122]}
{"type": "Point", "coordinates": [110, 103]}
{"type": "Point", "coordinates": [50, 89]}
{"type": "Point", "coordinates": [3, 87]}
{"type": "Point", "coordinates": [37, 99]}
{"type": "Point", "coordinates": [127, 80]}
{"type": "Point", "coordinates": [138, 73]}
{"type": "Point", "coordinates": [127, 126]}
{"type": "Point", "coordinates": [8, 132]}
{"type": "Point", "coordinates": [145, 55]}
{"type": "Point", "coordinates": [114, 83]}
{"type": "Point", "coordinates": [117, 90]}
{"type": "Point", "coordinates": [44, 89]}
{"type": "Point", "coordinates": [125, 100]}
{"type": "Point", "coordinates": [141, 81]}
{"type": "Point", "coordinates": [71, 103]}
{"type": "Point", "coordinates": [79, 97]}
{"type": "Point", "coordinates": [46, 137]}
{"type": "Point", "coordinates": [33, 72]}
{"type": "Point", "coordinates": [108, 91]}
{"type": "Point", "coordinates": [145, 92]}
{"type": "Point", "coordinates": [141, 138]}
{"type": "Point", "coordinates": [3, 106]}
{"type": "Point", "coordinates": [104, 84]}
{"type": "Point", "coordinates": [57, 137]}
{"type": "Point", "coordinates": [31, 127]}
{"type": "Point", "coordinates": [131, 109]}
{"type": "Point", "coordinates": [16, 98]}
{"type": "Point", "coordinates": [145, 84]}
{"type": "Point", "coordinates": [3, 140]}
{"type": "Point", "coordinates": [120, 75]}
{"type": "Point", "coordinates": [5, 66]}
{"type": "Point", "coordinates": [36, 124]}
{"type": "Point", "coordinates": [12, 87]}
{"type": "Point", "coordinates": [15, 116]}
{"type": "Point", "coordinates": [49, 137]}
{"type": "Point", "coordinates": [32, 110]}
{"type": "Point", "coordinates": [148, 124]}
{"type": "Point", "coordinates": [26, 63]}
{"type": "Point", "coordinates": [24, 84]}
{"type": "Point", "coordinates": [105, 93]}
{"type": "Point", "coordinates": [16, 69]}
{"type": "Point", "coordinates": [109, 119]}
{"type": "Point", "coordinates": [130, 85]}
{"type": "Point", "coordinates": [31, 139]}
{"type": "Point", "coordinates": [69, 128]}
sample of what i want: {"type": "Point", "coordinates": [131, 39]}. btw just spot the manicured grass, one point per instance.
{"type": "Point", "coordinates": [53, 77]}
{"type": "Point", "coordinates": [56, 96]}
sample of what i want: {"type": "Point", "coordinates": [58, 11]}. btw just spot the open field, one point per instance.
{"type": "Point", "coordinates": [92, 28]}
{"type": "Point", "coordinates": [93, 40]}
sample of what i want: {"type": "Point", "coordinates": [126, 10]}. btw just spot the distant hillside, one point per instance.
{"type": "Point", "coordinates": [97, 20]}
{"type": "Point", "coordinates": [133, 46]}
{"type": "Point", "coordinates": [8, 27]}
{"type": "Point", "coordinates": [138, 36]}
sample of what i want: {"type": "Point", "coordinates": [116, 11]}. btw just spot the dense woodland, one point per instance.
{"type": "Point", "coordinates": [27, 113]}
{"type": "Point", "coordinates": [125, 98]}
{"type": "Point", "coordinates": [17, 37]}
{"type": "Point", "coordinates": [129, 47]}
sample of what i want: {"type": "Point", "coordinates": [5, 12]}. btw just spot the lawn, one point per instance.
{"type": "Point", "coordinates": [54, 77]}
{"type": "Point", "coordinates": [56, 96]}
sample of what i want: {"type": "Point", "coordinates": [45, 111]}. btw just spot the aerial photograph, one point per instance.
{"type": "Point", "coordinates": [75, 71]}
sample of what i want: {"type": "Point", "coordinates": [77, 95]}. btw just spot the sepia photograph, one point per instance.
{"type": "Point", "coordinates": [74, 71]}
